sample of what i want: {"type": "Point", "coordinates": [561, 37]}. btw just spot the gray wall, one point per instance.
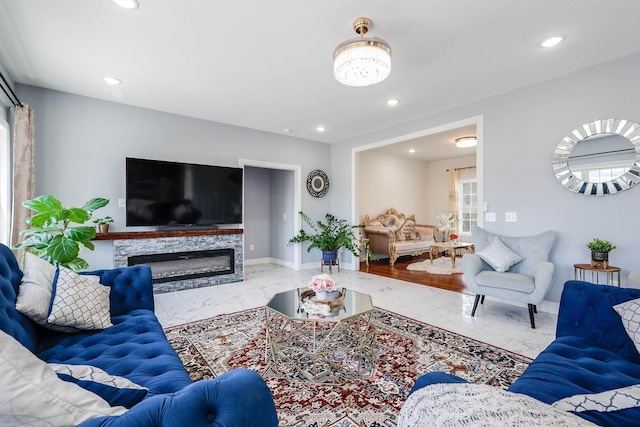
{"type": "Point", "coordinates": [81, 144]}
{"type": "Point", "coordinates": [520, 132]}
{"type": "Point", "coordinates": [282, 215]}
{"type": "Point", "coordinates": [257, 212]}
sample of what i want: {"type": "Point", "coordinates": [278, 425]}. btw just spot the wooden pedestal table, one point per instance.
{"type": "Point", "coordinates": [580, 269]}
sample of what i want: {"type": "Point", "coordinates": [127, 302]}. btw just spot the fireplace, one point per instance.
{"type": "Point", "coordinates": [182, 259]}
{"type": "Point", "coordinates": [169, 267]}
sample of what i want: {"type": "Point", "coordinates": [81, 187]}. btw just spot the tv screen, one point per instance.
{"type": "Point", "coordinates": [161, 193]}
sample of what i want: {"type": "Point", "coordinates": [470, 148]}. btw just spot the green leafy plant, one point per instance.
{"type": "Point", "coordinates": [330, 236]}
{"type": "Point", "coordinates": [105, 220]}
{"type": "Point", "coordinates": [600, 246]}
{"type": "Point", "coordinates": [52, 235]}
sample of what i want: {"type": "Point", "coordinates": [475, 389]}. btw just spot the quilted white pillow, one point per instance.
{"type": "Point", "coordinates": [34, 294]}
{"type": "Point", "coordinates": [630, 313]}
{"type": "Point", "coordinates": [80, 301]}
{"type": "Point", "coordinates": [499, 256]}
{"type": "Point", "coordinates": [33, 395]}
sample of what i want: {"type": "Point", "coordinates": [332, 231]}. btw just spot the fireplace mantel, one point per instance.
{"type": "Point", "coordinates": [131, 235]}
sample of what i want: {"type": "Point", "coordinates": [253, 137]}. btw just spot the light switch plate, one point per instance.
{"type": "Point", "coordinates": [121, 203]}
{"type": "Point", "coordinates": [490, 217]}
{"type": "Point", "coordinates": [485, 206]}
{"type": "Point", "coordinates": [510, 217]}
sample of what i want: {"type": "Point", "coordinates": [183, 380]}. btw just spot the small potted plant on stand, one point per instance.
{"type": "Point", "coordinates": [103, 224]}
{"type": "Point", "coordinates": [600, 252]}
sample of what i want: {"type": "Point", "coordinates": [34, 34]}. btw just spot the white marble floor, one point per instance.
{"type": "Point", "coordinates": [503, 325]}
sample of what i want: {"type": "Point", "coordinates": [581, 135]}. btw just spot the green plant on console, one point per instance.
{"type": "Point", "coordinates": [600, 246]}
{"type": "Point", "coordinates": [105, 220]}
{"type": "Point", "coordinates": [52, 235]}
{"type": "Point", "coordinates": [330, 236]}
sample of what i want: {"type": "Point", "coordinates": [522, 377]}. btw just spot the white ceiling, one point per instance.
{"type": "Point", "coordinates": [267, 64]}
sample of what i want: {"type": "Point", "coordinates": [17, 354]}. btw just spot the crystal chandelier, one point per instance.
{"type": "Point", "coordinates": [362, 61]}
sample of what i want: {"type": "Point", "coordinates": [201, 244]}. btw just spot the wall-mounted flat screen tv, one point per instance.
{"type": "Point", "coordinates": [161, 193]}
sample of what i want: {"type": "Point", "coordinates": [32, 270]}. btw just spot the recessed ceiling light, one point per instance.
{"type": "Point", "coordinates": [551, 42]}
{"type": "Point", "coordinates": [466, 142]}
{"type": "Point", "coordinates": [321, 128]}
{"type": "Point", "coordinates": [112, 81]}
{"type": "Point", "coordinates": [392, 102]}
{"type": "Point", "coordinates": [127, 4]}
{"type": "Point", "coordinates": [412, 150]}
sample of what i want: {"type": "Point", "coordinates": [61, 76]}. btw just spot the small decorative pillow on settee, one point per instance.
{"type": "Point", "coordinates": [630, 314]}
{"type": "Point", "coordinates": [59, 299]}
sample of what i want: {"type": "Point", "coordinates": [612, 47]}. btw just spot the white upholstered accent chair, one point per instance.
{"type": "Point", "coordinates": [526, 281]}
{"type": "Point", "coordinates": [634, 280]}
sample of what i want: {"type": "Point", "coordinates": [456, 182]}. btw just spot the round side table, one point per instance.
{"type": "Point", "coordinates": [580, 269]}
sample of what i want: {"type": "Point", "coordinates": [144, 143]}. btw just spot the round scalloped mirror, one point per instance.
{"type": "Point", "coordinates": [599, 158]}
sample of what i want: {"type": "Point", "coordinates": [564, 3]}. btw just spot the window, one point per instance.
{"type": "Point", "coordinates": [467, 205]}
{"type": "Point", "coordinates": [5, 182]}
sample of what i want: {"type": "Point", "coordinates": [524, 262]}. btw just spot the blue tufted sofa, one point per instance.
{"type": "Point", "coordinates": [135, 347]}
{"type": "Point", "coordinates": [592, 353]}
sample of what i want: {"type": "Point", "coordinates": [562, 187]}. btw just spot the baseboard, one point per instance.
{"type": "Point", "coordinates": [258, 261]}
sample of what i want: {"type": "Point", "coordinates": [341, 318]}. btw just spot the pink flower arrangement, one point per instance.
{"type": "Point", "coordinates": [322, 282]}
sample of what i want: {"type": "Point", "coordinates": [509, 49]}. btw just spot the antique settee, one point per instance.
{"type": "Point", "coordinates": [126, 374]}
{"type": "Point", "coordinates": [591, 369]}
{"type": "Point", "coordinates": [395, 234]}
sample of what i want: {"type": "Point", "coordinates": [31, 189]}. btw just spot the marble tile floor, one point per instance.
{"type": "Point", "coordinates": [500, 324]}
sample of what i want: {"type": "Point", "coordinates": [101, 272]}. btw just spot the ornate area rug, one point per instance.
{"type": "Point", "coordinates": [405, 349]}
{"type": "Point", "coordinates": [439, 266]}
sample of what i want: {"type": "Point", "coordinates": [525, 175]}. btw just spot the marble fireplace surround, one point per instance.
{"type": "Point", "coordinates": [222, 252]}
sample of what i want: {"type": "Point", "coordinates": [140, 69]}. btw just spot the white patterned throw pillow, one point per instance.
{"type": "Point", "coordinates": [34, 294]}
{"type": "Point", "coordinates": [630, 313]}
{"type": "Point", "coordinates": [33, 395]}
{"type": "Point", "coordinates": [80, 301]}
{"type": "Point", "coordinates": [499, 256]}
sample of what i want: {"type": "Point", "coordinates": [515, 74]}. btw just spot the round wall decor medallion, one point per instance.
{"type": "Point", "coordinates": [317, 183]}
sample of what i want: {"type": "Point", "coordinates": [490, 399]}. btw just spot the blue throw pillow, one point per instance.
{"type": "Point", "coordinates": [118, 391]}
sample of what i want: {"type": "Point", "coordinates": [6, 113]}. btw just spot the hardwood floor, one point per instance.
{"type": "Point", "coordinates": [399, 271]}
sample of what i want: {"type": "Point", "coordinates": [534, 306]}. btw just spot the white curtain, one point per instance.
{"type": "Point", "coordinates": [453, 195]}
{"type": "Point", "coordinates": [23, 170]}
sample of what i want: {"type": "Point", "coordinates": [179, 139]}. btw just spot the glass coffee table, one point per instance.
{"type": "Point", "coordinates": [320, 348]}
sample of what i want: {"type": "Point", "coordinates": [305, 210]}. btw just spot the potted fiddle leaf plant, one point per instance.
{"type": "Point", "coordinates": [600, 251]}
{"type": "Point", "coordinates": [330, 236]}
{"type": "Point", "coordinates": [56, 232]}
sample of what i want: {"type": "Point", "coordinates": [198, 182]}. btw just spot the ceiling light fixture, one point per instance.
{"type": "Point", "coordinates": [127, 4]}
{"type": "Point", "coordinates": [112, 81]}
{"type": "Point", "coordinates": [412, 150]}
{"type": "Point", "coordinates": [551, 42]}
{"type": "Point", "coordinates": [362, 61]}
{"type": "Point", "coordinates": [320, 128]}
{"type": "Point", "coordinates": [466, 142]}
{"type": "Point", "coordinates": [392, 102]}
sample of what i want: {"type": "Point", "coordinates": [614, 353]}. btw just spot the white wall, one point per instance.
{"type": "Point", "coordinates": [392, 182]}
{"type": "Point", "coordinates": [438, 183]}
{"type": "Point", "coordinates": [519, 133]}
{"type": "Point", "coordinates": [81, 145]}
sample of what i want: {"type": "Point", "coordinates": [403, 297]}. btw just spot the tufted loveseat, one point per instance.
{"type": "Point", "coordinates": [593, 360]}
{"type": "Point", "coordinates": [135, 348]}
{"type": "Point", "coordinates": [395, 234]}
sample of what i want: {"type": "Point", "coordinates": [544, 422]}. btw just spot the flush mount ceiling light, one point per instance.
{"type": "Point", "coordinates": [362, 61]}
{"type": "Point", "coordinates": [112, 81]}
{"type": "Point", "coordinates": [466, 142]}
{"type": "Point", "coordinates": [551, 42]}
{"type": "Point", "coordinates": [392, 102]}
{"type": "Point", "coordinates": [127, 4]}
